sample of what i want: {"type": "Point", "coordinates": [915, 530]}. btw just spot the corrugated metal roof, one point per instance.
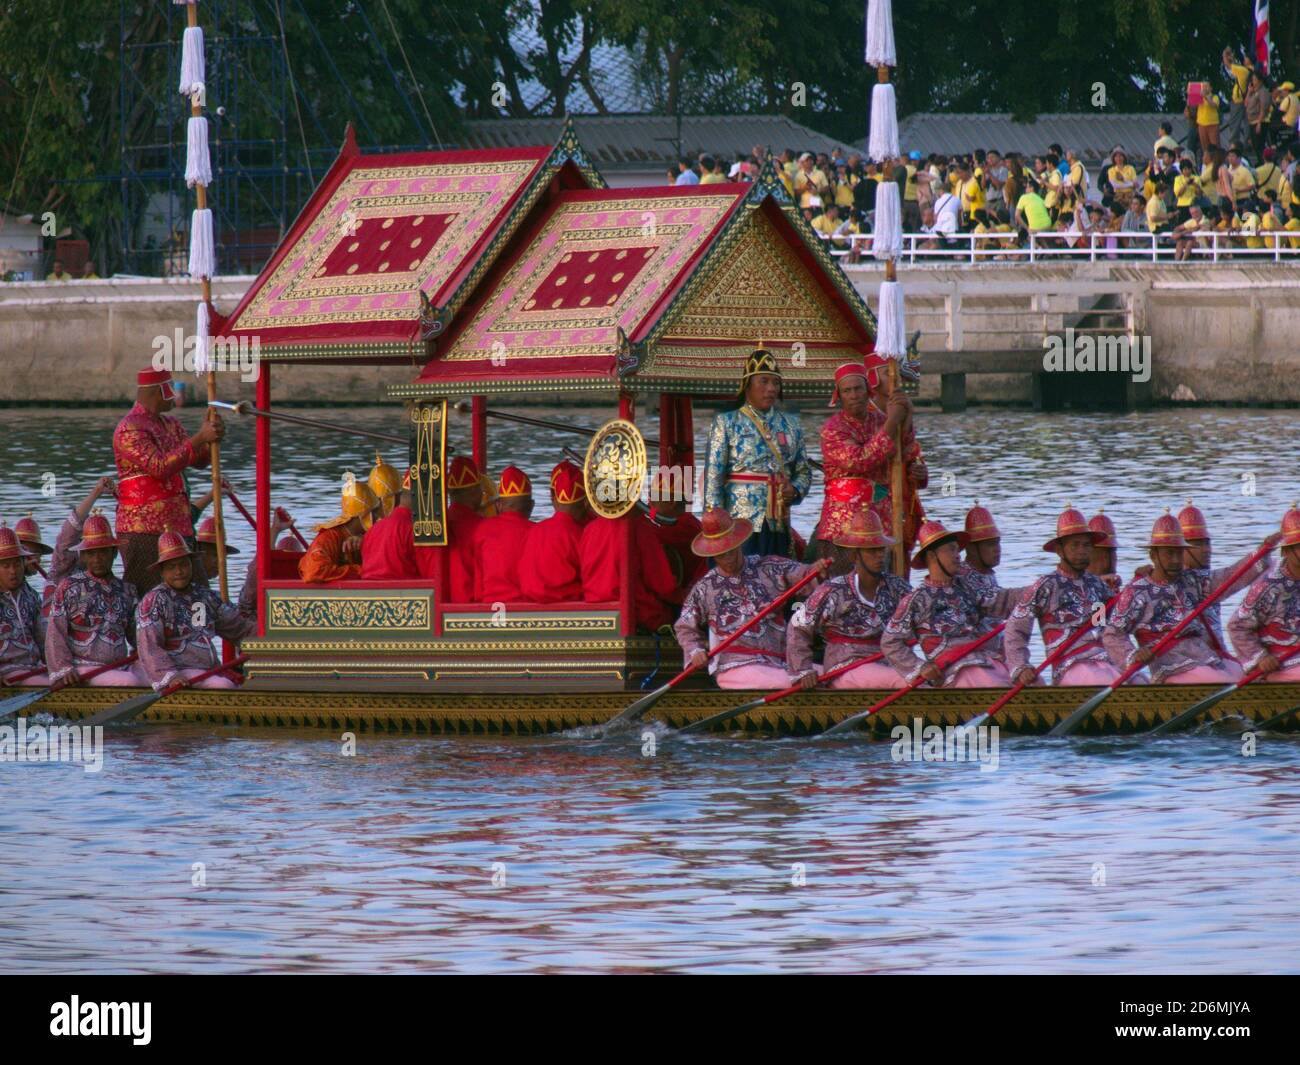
{"type": "Point", "coordinates": [1092, 135]}
{"type": "Point", "coordinates": [635, 141]}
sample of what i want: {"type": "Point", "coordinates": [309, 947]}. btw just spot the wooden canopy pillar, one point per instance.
{"type": "Point", "coordinates": [478, 429]}
{"type": "Point", "coordinates": [626, 594]}
{"type": "Point", "coordinates": [263, 438]}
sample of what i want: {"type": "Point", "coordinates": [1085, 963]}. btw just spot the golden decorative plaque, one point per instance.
{"type": "Point", "coordinates": [615, 470]}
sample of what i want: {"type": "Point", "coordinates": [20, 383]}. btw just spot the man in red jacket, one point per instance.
{"type": "Point", "coordinates": [499, 542]}
{"type": "Point", "coordinates": [549, 571]}
{"type": "Point", "coordinates": [388, 548]}
{"type": "Point", "coordinates": [655, 591]}
{"type": "Point", "coordinates": [464, 496]}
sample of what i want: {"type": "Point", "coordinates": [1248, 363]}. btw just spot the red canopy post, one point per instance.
{"type": "Point", "coordinates": [626, 599]}
{"type": "Point", "coordinates": [479, 432]}
{"type": "Point", "coordinates": [264, 544]}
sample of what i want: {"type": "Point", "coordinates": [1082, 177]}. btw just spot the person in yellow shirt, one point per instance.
{"type": "Point", "coordinates": [972, 198]}
{"type": "Point", "coordinates": [1122, 177]}
{"type": "Point", "coordinates": [809, 181]}
{"type": "Point", "coordinates": [58, 273]}
{"type": "Point", "coordinates": [1078, 175]}
{"type": "Point", "coordinates": [1250, 225]}
{"type": "Point", "coordinates": [1240, 76]}
{"type": "Point", "coordinates": [1187, 189]}
{"type": "Point", "coordinates": [1166, 139]}
{"type": "Point", "coordinates": [844, 184]}
{"type": "Point", "coordinates": [1293, 224]}
{"type": "Point", "coordinates": [1270, 219]}
{"type": "Point", "coordinates": [1157, 211]}
{"type": "Point", "coordinates": [1240, 176]}
{"type": "Point", "coordinates": [712, 173]}
{"type": "Point", "coordinates": [1286, 105]}
{"type": "Point", "coordinates": [1206, 117]}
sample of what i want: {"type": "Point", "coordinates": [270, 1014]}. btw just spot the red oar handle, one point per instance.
{"type": "Point", "coordinates": [112, 665]}
{"type": "Point", "coordinates": [230, 494]}
{"type": "Point", "coordinates": [772, 697]}
{"type": "Point", "coordinates": [1255, 674]}
{"type": "Point", "coordinates": [24, 676]}
{"type": "Point", "coordinates": [176, 686]}
{"type": "Point", "coordinates": [282, 514]}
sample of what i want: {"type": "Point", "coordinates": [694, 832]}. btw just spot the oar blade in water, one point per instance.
{"type": "Point", "coordinates": [722, 717]}
{"type": "Point", "coordinates": [1185, 718]}
{"type": "Point", "coordinates": [632, 714]}
{"type": "Point", "coordinates": [20, 702]}
{"type": "Point", "coordinates": [1064, 728]}
{"type": "Point", "coordinates": [1277, 719]}
{"type": "Point", "coordinates": [124, 711]}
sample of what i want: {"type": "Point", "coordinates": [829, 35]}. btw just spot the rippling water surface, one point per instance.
{"type": "Point", "coordinates": [713, 855]}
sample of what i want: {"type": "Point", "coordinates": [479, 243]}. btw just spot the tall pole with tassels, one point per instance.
{"type": "Point", "coordinates": [198, 175]}
{"type": "Point", "coordinates": [887, 243]}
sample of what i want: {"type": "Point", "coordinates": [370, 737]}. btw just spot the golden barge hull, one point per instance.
{"type": "Point", "coordinates": [348, 709]}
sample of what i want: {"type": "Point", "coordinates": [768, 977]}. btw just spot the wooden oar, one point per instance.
{"type": "Point", "coordinates": [1079, 716]}
{"type": "Point", "coordinates": [1185, 718]}
{"type": "Point", "coordinates": [20, 702]}
{"type": "Point", "coordinates": [943, 662]}
{"type": "Point", "coordinates": [22, 676]}
{"type": "Point", "coordinates": [137, 704]}
{"type": "Point", "coordinates": [723, 716]}
{"type": "Point", "coordinates": [1050, 660]}
{"type": "Point", "coordinates": [1277, 719]}
{"type": "Point", "coordinates": [283, 515]}
{"type": "Point", "coordinates": [637, 709]}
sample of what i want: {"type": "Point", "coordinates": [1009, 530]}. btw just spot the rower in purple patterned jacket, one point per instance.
{"type": "Point", "coordinates": [942, 613]}
{"type": "Point", "coordinates": [1267, 624]}
{"type": "Point", "coordinates": [1196, 564]}
{"type": "Point", "coordinates": [1062, 601]}
{"type": "Point", "coordinates": [179, 620]}
{"type": "Point", "coordinates": [1153, 604]}
{"type": "Point", "coordinates": [849, 613]}
{"type": "Point", "coordinates": [20, 614]}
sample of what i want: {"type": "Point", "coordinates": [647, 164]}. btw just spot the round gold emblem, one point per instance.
{"type": "Point", "coordinates": [615, 470]}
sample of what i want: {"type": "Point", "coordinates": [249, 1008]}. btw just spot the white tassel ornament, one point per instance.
{"type": "Point", "coordinates": [883, 143]}
{"type": "Point", "coordinates": [887, 236]}
{"type": "Point", "coordinates": [198, 165]}
{"type": "Point", "coordinates": [891, 330]}
{"type": "Point", "coordinates": [201, 345]}
{"type": "Point", "coordinates": [880, 34]}
{"type": "Point", "coordinates": [202, 252]}
{"type": "Point", "coordinates": [192, 72]}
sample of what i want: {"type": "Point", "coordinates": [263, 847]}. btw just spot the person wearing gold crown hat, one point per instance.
{"type": "Point", "coordinates": [1105, 552]}
{"type": "Point", "coordinates": [858, 444]}
{"type": "Point", "coordinates": [388, 548]}
{"type": "Point", "coordinates": [178, 621]}
{"type": "Point", "coordinates": [20, 614]}
{"type": "Point", "coordinates": [464, 515]}
{"type": "Point", "coordinates": [499, 542]}
{"type": "Point", "coordinates": [92, 614]}
{"type": "Point", "coordinates": [756, 468]}
{"type": "Point", "coordinates": [361, 490]}
{"type": "Point", "coordinates": [941, 613]}
{"type": "Point", "coordinates": [1152, 604]}
{"type": "Point", "coordinates": [728, 596]}
{"type": "Point", "coordinates": [386, 483]}
{"type": "Point", "coordinates": [1266, 625]}
{"type": "Point", "coordinates": [335, 553]}
{"type": "Point", "coordinates": [1196, 565]}
{"type": "Point", "coordinates": [550, 569]}
{"type": "Point", "coordinates": [1062, 601]}
{"type": "Point", "coordinates": [849, 613]}
{"type": "Point", "coordinates": [152, 451]}
{"type": "Point", "coordinates": [656, 592]}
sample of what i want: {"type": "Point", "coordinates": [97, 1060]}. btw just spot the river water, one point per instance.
{"type": "Point", "coordinates": [226, 850]}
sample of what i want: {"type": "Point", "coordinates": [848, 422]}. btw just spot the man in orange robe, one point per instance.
{"type": "Point", "coordinates": [499, 542]}
{"type": "Point", "coordinates": [549, 571]}
{"type": "Point", "coordinates": [655, 591]}
{"type": "Point", "coordinates": [335, 554]}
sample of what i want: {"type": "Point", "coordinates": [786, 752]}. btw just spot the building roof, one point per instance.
{"type": "Point", "coordinates": [390, 245]}
{"type": "Point", "coordinates": [1092, 135]}
{"type": "Point", "coordinates": [616, 142]}
{"type": "Point", "coordinates": [655, 289]}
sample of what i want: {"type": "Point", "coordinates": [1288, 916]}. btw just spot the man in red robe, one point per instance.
{"type": "Point", "coordinates": [676, 527]}
{"type": "Point", "coordinates": [464, 501]}
{"type": "Point", "coordinates": [388, 548]}
{"type": "Point", "coordinates": [499, 542]}
{"type": "Point", "coordinates": [151, 449]}
{"type": "Point", "coordinates": [549, 571]}
{"type": "Point", "coordinates": [655, 591]}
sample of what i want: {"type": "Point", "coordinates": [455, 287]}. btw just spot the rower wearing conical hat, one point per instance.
{"type": "Point", "coordinates": [737, 588]}
{"type": "Point", "coordinates": [849, 613]}
{"type": "Point", "coordinates": [983, 555]}
{"type": "Point", "coordinates": [335, 554]}
{"type": "Point", "coordinates": [20, 614]}
{"type": "Point", "coordinates": [498, 542]}
{"type": "Point", "coordinates": [1267, 624]}
{"type": "Point", "coordinates": [858, 444]}
{"type": "Point", "coordinates": [1197, 558]}
{"type": "Point", "coordinates": [1105, 551]}
{"type": "Point", "coordinates": [757, 468]}
{"type": "Point", "coordinates": [386, 483]}
{"type": "Point", "coordinates": [1062, 601]}
{"type": "Point", "coordinates": [205, 543]}
{"type": "Point", "coordinates": [179, 619]}
{"type": "Point", "coordinates": [1154, 603]}
{"type": "Point", "coordinates": [942, 613]}
{"type": "Point", "coordinates": [92, 614]}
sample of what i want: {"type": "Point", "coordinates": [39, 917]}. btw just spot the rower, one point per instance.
{"type": "Point", "coordinates": [29, 535]}
{"type": "Point", "coordinates": [550, 569]}
{"type": "Point", "coordinates": [1062, 601]}
{"type": "Point", "coordinates": [205, 542]}
{"type": "Point", "coordinates": [734, 591]}
{"type": "Point", "coordinates": [152, 449]}
{"type": "Point", "coordinates": [943, 612]}
{"type": "Point", "coordinates": [388, 548]}
{"type": "Point", "coordinates": [1196, 565]}
{"type": "Point", "coordinates": [656, 593]}
{"type": "Point", "coordinates": [675, 527]}
{"type": "Point", "coordinates": [1267, 624]}
{"type": "Point", "coordinates": [335, 553]}
{"type": "Point", "coordinates": [858, 444]}
{"type": "Point", "coordinates": [1152, 604]}
{"type": "Point", "coordinates": [757, 468]}
{"type": "Point", "coordinates": [386, 483]}
{"type": "Point", "coordinates": [849, 613]}
{"type": "Point", "coordinates": [92, 616]}
{"type": "Point", "coordinates": [178, 621]}
{"type": "Point", "coordinates": [499, 542]}
{"type": "Point", "coordinates": [1105, 552]}
{"type": "Point", "coordinates": [20, 614]}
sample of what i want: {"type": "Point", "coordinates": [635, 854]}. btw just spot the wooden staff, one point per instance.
{"type": "Point", "coordinates": [214, 448]}
{"type": "Point", "coordinates": [897, 480]}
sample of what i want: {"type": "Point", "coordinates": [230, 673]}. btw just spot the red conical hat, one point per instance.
{"type": "Point", "coordinates": [462, 473]}
{"type": "Point", "coordinates": [515, 483]}
{"type": "Point", "coordinates": [96, 533]}
{"type": "Point", "coordinates": [1291, 527]}
{"type": "Point", "coordinates": [1100, 523]}
{"type": "Point", "coordinates": [719, 533]}
{"type": "Point", "coordinates": [980, 525]}
{"type": "Point", "coordinates": [1166, 532]}
{"type": "Point", "coordinates": [30, 534]}
{"type": "Point", "coordinates": [11, 546]}
{"type": "Point", "coordinates": [1193, 523]}
{"type": "Point", "coordinates": [171, 545]}
{"type": "Point", "coordinates": [932, 534]}
{"type": "Point", "coordinates": [864, 530]}
{"type": "Point", "coordinates": [207, 534]}
{"type": "Point", "coordinates": [566, 483]}
{"type": "Point", "coordinates": [1072, 523]}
